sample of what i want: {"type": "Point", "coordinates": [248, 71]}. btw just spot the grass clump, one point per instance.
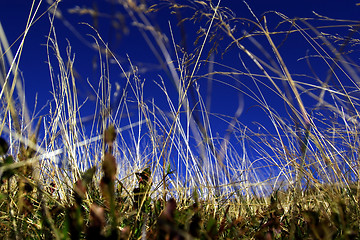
{"type": "Point", "coordinates": [103, 212]}
{"type": "Point", "coordinates": [141, 169]}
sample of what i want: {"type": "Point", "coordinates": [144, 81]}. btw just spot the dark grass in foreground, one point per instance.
{"type": "Point", "coordinates": [108, 211]}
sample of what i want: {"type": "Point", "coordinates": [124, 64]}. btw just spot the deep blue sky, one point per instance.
{"type": "Point", "coordinates": [13, 16]}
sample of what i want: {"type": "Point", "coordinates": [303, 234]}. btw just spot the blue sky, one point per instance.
{"type": "Point", "coordinates": [13, 16]}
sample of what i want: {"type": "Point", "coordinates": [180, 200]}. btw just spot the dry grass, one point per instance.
{"type": "Point", "coordinates": [141, 169]}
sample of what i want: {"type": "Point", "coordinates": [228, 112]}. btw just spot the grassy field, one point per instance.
{"type": "Point", "coordinates": [138, 169]}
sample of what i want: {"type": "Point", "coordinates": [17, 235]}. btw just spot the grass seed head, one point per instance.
{"type": "Point", "coordinates": [109, 166]}
{"type": "Point", "coordinates": [110, 134]}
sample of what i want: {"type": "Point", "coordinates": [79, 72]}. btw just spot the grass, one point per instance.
{"type": "Point", "coordinates": [142, 170]}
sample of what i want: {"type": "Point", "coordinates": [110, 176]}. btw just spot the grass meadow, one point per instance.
{"type": "Point", "coordinates": [160, 167]}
